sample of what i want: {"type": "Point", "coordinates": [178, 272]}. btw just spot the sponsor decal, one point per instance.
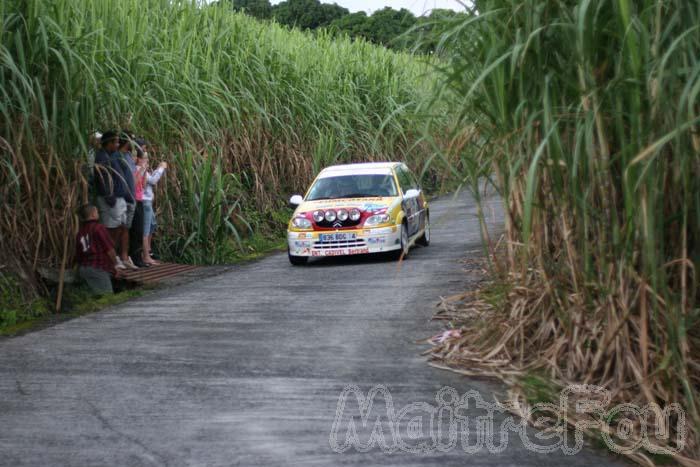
{"type": "Point", "coordinates": [340, 252]}
{"type": "Point", "coordinates": [363, 204]}
{"type": "Point", "coordinates": [373, 207]}
{"type": "Point", "coordinates": [344, 203]}
{"type": "Point", "coordinates": [382, 231]}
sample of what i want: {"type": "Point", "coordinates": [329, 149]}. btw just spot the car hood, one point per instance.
{"type": "Point", "coordinates": [363, 204]}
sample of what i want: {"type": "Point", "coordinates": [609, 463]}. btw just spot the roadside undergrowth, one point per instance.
{"type": "Point", "coordinates": [584, 116]}
{"type": "Point", "coordinates": [496, 332]}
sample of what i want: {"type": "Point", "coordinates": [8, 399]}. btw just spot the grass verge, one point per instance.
{"type": "Point", "coordinates": [19, 315]}
{"type": "Point", "coordinates": [77, 302]}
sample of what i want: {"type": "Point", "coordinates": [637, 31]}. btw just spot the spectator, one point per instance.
{"type": "Point", "coordinates": [95, 144]}
{"type": "Point", "coordinates": [136, 230]}
{"type": "Point", "coordinates": [123, 165]}
{"type": "Point", "coordinates": [149, 216]}
{"type": "Point", "coordinates": [111, 192]}
{"type": "Point", "coordinates": [95, 255]}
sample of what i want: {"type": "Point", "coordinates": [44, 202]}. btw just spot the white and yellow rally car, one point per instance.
{"type": "Point", "coordinates": [357, 209]}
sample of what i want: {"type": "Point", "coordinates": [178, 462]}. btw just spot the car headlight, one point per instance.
{"type": "Point", "coordinates": [354, 214]}
{"type": "Point", "coordinates": [342, 215]}
{"type": "Point", "coordinates": [319, 216]}
{"type": "Point", "coordinates": [330, 215]}
{"type": "Point", "coordinates": [377, 219]}
{"type": "Point", "coordinates": [301, 223]}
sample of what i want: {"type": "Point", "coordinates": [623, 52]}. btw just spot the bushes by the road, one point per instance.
{"type": "Point", "coordinates": [586, 115]}
{"type": "Point", "coordinates": [243, 111]}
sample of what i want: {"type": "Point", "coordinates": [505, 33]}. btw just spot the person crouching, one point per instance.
{"type": "Point", "coordinates": [95, 255]}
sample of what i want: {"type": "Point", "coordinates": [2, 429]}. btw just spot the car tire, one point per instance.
{"type": "Point", "coordinates": [297, 260]}
{"type": "Point", "coordinates": [402, 253]}
{"type": "Point", "coordinates": [424, 239]}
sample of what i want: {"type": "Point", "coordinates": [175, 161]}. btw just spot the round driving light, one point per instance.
{"type": "Point", "coordinates": [301, 223]}
{"type": "Point", "coordinates": [342, 215]}
{"type": "Point", "coordinates": [354, 215]}
{"type": "Point", "coordinates": [318, 216]}
{"type": "Point", "coordinates": [330, 215]}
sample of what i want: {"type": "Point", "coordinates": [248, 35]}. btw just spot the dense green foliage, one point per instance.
{"type": "Point", "coordinates": [585, 116]}
{"type": "Point", "coordinates": [260, 9]}
{"type": "Point", "coordinates": [307, 14]}
{"type": "Point", "coordinates": [15, 305]}
{"type": "Point", "coordinates": [397, 29]}
{"type": "Point", "coordinates": [386, 26]}
{"type": "Point", "coordinates": [244, 111]}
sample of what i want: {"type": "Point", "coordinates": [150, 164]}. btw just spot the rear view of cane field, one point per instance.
{"type": "Point", "coordinates": [490, 210]}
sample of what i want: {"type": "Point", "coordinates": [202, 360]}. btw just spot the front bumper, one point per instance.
{"type": "Point", "coordinates": [377, 240]}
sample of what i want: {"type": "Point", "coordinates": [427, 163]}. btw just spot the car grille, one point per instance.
{"type": "Point", "coordinates": [357, 243]}
{"type": "Point", "coordinates": [336, 224]}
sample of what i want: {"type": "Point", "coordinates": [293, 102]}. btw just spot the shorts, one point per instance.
{"type": "Point", "coordinates": [99, 281]}
{"type": "Point", "coordinates": [149, 219]}
{"type": "Point", "coordinates": [112, 216]}
{"type": "Point", "coordinates": [130, 211]}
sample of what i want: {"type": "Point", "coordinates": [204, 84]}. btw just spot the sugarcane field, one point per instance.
{"type": "Point", "coordinates": [349, 232]}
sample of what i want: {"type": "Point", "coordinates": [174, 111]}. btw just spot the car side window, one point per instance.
{"type": "Point", "coordinates": [404, 179]}
{"type": "Point", "coordinates": [414, 180]}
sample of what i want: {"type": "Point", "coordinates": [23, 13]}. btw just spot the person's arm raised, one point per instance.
{"type": "Point", "coordinates": [154, 177]}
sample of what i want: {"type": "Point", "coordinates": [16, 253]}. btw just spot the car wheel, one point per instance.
{"type": "Point", "coordinates": [402, 253]}
{"type": "Point", "coordinates": [297, 260]}
{"type": "Point", "coordinates": [425, 238]}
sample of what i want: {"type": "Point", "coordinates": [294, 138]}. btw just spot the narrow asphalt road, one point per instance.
{"type": "Point", "coordinates": [246, 368]}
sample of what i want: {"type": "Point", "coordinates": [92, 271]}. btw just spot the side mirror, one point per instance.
{"type": "Point", "coordinates": [295, 201]}
{"type": "Point", "coordinates": [412, 193]}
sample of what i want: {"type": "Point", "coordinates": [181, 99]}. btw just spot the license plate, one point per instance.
{"type": "Point", "coordinates": [337, 237]}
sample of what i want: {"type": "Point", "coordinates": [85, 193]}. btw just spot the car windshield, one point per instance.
{"type": "Point", "coordinates": [353, 186]}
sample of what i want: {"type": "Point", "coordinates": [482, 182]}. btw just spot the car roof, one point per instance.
{"type": "Point", "coordinates": [364, 168]}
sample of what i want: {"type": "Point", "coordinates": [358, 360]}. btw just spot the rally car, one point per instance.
{"type": "Point", "coordinates": [357, 209]}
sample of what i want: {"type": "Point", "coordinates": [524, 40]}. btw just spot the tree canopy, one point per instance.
{"type": "Point", "coordinates": [397, 29]}
{"type": "Point", "coordinates": [307, 14]}
{"type": "Point", "coordinates": [261, 9]}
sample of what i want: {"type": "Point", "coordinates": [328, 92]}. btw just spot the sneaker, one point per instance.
{"type": "Point", "coordinates": [130, 264]}
{"type": "Point", "coordinates": [119, 264]}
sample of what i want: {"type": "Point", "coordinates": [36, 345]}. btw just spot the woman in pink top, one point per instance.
{"type": "Point", "coordinates": [136, 230]}
{"type": "Point", "coordinates": [139, 181]}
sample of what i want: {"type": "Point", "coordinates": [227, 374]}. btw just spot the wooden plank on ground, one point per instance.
{"type": "Point", "coordinates": [156, 273]}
